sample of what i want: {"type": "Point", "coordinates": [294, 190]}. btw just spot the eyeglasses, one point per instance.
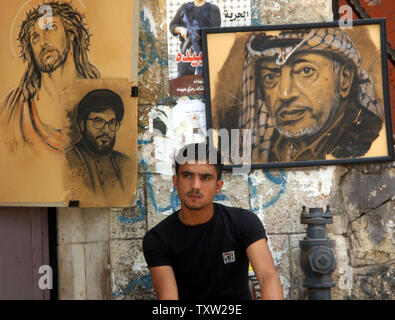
{"type": "Point", "coordinates": [100, 123]}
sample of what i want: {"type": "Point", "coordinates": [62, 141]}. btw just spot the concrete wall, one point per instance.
{"type": "Point", "coordinates": [100, 254]}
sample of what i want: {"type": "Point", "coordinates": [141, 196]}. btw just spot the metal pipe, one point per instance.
{"type": "Point", "coordinates": [317, 256]}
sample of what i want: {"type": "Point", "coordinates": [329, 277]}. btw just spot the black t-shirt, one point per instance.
{"type": "Point", "coordinates": [209, 260]}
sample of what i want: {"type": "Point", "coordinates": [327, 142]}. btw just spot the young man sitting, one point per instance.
{"type": "Point", "coordinates": [202, 251]}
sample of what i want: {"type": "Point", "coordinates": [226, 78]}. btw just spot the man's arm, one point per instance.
{"type": "Point", "coordinates": [262, 263]}
{"type": "Point", "coordinates": [164, 282]}
{"type": "Point", "coordinates": [177, 26]}
{"type": "Point", "coordinates": [181, 31]}
{"type": "Point", "coordinates": [215, 17]}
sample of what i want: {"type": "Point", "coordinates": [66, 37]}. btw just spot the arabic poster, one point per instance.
{"type": "Point", "coordinates": [184, 20]}
{"type": "Point", "coordinates": [47, 47]}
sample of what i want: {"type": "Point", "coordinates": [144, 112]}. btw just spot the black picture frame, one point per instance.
{"type": "Point", "coordinates": [214, 74]}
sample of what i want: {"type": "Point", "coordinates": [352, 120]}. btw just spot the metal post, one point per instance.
{"type": "Point", "coordinates": [317, 257]}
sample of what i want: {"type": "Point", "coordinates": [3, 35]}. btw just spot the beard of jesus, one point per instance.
{"type": "Point", "coordinates": [56, 63]}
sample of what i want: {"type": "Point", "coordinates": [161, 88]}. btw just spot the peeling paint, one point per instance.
{"type": "Point", "coordinates": [139, 263]}
{"type": "Point", "coordinates": [276, 254]}
{"type": "Point", "coordinates": [185, 123]}
{"type": "Point", "coordinates": [286, 285]}
{"type": "Point", "coordinates": [391, 229]}
{"type": "Point", "coordinates": [346, 280]}
{"type": "Point", "coordinates": [277, 257]}
{"type": "Point", "coordinates": [255, 179]}
{"type": "Point", "coordinates": [147, 15]}
{"type": "Point", "coordinates": [141, 217]}
{"type": "Point", "coordinates": [144, 281]}
{"type": "Point", "coordinates": [315, 183]}
{"type": "Point", "coordinates": [147, 48]}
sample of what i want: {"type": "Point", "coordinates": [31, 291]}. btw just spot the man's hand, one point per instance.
{"type": "Point", "coordinates": [164, 282]}
{"type": "Point", "coordinates": [262, 263]}
{"type": "Point", "coordinates": [181, 31]}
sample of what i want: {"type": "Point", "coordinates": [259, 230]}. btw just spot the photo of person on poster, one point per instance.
{"type": "Point", "coordinates": [185, 20]}
{"type": "Point", "coordinates": [186, 24]}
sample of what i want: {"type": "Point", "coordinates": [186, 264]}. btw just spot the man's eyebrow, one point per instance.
{"type": "Point", "coordinates": [186, 172]}
{"type": "Point", "coordinates": [193, 173]}
{"type": "Point", "coordinates": [205, 175]}
{"type": "Point", "coordinates": [104, 119]}
{"type": "Point", "coordinates": [273, 69]}
{"type": "Point", "coordinates": [301, 60]}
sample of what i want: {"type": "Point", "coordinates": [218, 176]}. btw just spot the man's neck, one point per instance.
{"type": "Point", "coordinates": [199, 3]}
{"type": "Point", "coordinates": [49, 104]}
{"type": "Point", "coordinates": [195, 217]}
{"type": "Point", "coordinates": [55, 82]}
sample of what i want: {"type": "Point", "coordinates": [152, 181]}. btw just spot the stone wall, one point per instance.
{"type": "Point", "coordinates": [100, 251]}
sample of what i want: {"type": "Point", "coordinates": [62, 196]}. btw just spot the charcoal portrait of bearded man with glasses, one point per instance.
{"type": "Point", "coordinates": [98, 118]}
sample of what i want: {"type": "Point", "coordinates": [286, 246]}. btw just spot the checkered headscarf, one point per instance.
{"type": "Point", "coordinates": [255, 113]}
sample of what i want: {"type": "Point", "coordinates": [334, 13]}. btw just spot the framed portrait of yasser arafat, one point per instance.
{"type": "Point", "coordinates": [298, 95]}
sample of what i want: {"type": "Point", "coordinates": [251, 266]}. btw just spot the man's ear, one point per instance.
{"type": "Point", "coordinates": [71, 35]}
{"type": "Point", "coordinates": [82, 126]}
{"type": "Point", "coordinates": [346, 78]}
{"type": "Point", "coordinates": [220, 183]}
{"type": "Point", "coordinates": [175, 184]}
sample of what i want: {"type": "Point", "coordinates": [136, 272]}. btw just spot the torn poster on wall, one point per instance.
{"type": "Point", "coordinates": [185, 19]}
{"type": "Point", "coordinates": [175, 127]}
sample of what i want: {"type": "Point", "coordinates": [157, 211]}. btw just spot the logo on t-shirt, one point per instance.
{"type": "Point", "coordinates": [229, 257]}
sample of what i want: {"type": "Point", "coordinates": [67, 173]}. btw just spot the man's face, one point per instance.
{"type": "Point", "coordinates": [197, 185]}
{"type": "Point", "coordinates": [50, 45]}
{"type": "Point", "coordinates": [100, 138]}
{"type": "Point", "coordinates": [301, 94]}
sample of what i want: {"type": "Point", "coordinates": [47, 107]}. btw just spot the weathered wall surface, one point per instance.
{"type": "Point", "coordinates": [84, 253]}
{"type": "Point", "coordinates": [100, 251]}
